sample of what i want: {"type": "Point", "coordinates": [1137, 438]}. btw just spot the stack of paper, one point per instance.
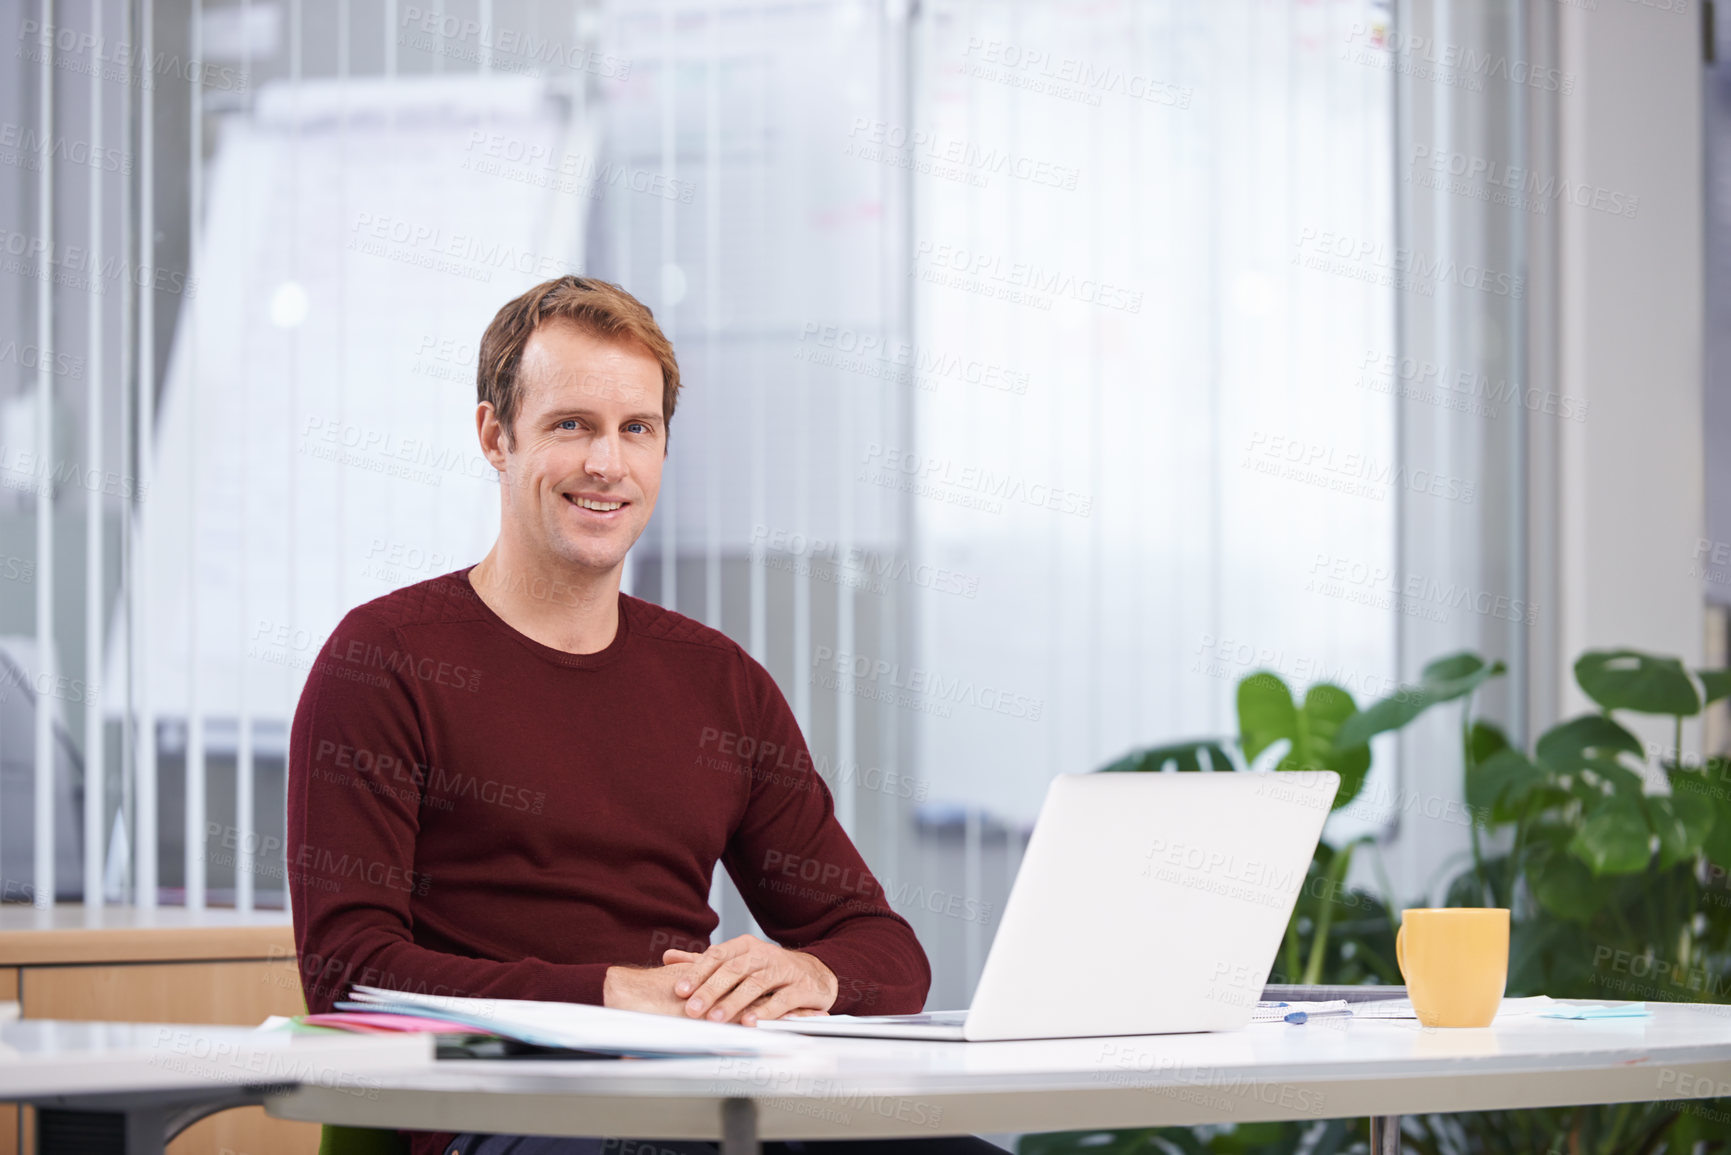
{"type": "Point", "coordinates": [375, 1023]}
{"type": "Point", "coordinates": [577, 1026]}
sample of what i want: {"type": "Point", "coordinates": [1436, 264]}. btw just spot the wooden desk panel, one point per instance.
{"type": "Point", "coordinates": [240, 993]}
{"type": "Point", "coordinates": [166, 965]}
{"type": "Point", "coordinates": [73, 934]}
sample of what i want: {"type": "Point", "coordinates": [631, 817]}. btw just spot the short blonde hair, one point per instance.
{"type": "Point", "coordinates": [599, 308]}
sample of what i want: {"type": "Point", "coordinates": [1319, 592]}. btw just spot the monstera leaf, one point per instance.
{"type": "Point", "coordinates": [1267, 714]}
{"type": "Point", "coordinates": [1682, 823]}
{"type": "Point", "coordinates": [1485, 739]}
{"type": "Point", "coordinates": [1706, 786]}
{"type": "Point", "coordinates": [1631, 680]}
{"type": "Point", "coordinates": [1592, 742]}
{"type": "Point", "coordinates": [1715, 684]}
{"type": "Point", "coordinates": [1499, 784]}
{"type": "Point", "coordinates": [1615, 838]}
{"type": "Point", "coordinates": [1443, 680]}
{"type": "Point", "coordinates": [1563, 885]}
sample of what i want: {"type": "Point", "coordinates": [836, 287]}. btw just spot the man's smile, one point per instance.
{"type": "Point", "coordinates": [600, 506]}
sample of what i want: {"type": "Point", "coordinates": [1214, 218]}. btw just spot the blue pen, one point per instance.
{"type": "Point", "coordinates": [1296, 1016]}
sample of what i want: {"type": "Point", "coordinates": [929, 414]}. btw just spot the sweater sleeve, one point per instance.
{"type": "Point", "coordinates": [357, 765]}
{"type": "Point", "coordinates": [804, 880]}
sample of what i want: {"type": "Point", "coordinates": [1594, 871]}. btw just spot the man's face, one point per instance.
{"type": "Point", "coordinates": [582, 473]}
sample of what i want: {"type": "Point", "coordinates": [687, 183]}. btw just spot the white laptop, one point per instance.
{"type": "Point", "coordinates": [1146, 904]}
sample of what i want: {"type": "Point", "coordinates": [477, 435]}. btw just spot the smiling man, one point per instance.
{"type": "Point", "coordinates": [516, 781]}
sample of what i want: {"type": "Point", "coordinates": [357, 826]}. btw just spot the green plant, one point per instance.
{"type": "Point", "coordinates": [1616, 891]}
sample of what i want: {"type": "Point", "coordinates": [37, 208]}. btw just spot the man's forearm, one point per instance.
{"type": "Point", "coordinates": [327, 975]}
{"type": "Point", "coordinates": [869, 978]}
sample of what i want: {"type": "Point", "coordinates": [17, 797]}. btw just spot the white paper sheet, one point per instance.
{"type": "Point", "coordinates": [590, 1028]}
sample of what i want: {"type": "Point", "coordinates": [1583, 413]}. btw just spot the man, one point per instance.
{"type": "Point", "coordinates": [515, 781]}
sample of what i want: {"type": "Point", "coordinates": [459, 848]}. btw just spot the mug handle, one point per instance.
{"type": "Point", "coordinates": [1399, 956]}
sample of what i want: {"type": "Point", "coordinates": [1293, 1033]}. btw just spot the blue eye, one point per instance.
{"type": "Point", "coordinates": [568, 423]}
{"type": "Point", "coordinates": [638, 426]}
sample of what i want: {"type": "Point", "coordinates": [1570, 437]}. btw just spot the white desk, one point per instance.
{"type": "Point", "coordinates": [141, 1083]}
{"type": "Point", "coordinates": [858, 1088]}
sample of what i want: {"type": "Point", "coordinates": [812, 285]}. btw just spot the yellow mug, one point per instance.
{"type": "Point", "coordinates": [1456, 963]}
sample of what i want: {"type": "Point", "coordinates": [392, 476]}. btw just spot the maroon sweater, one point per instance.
{"type": "Point", "coordinates": [471, 812]}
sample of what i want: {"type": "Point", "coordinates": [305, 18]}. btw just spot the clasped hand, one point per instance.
{"type": "Point", "coordinates": [744, 980]}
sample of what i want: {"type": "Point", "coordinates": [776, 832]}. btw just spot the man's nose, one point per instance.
{"type": "Point", "coordinates": [605, 460]}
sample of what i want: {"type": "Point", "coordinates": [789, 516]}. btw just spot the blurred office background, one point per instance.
{"type": "Point", "coordinates": [1050, 366]}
